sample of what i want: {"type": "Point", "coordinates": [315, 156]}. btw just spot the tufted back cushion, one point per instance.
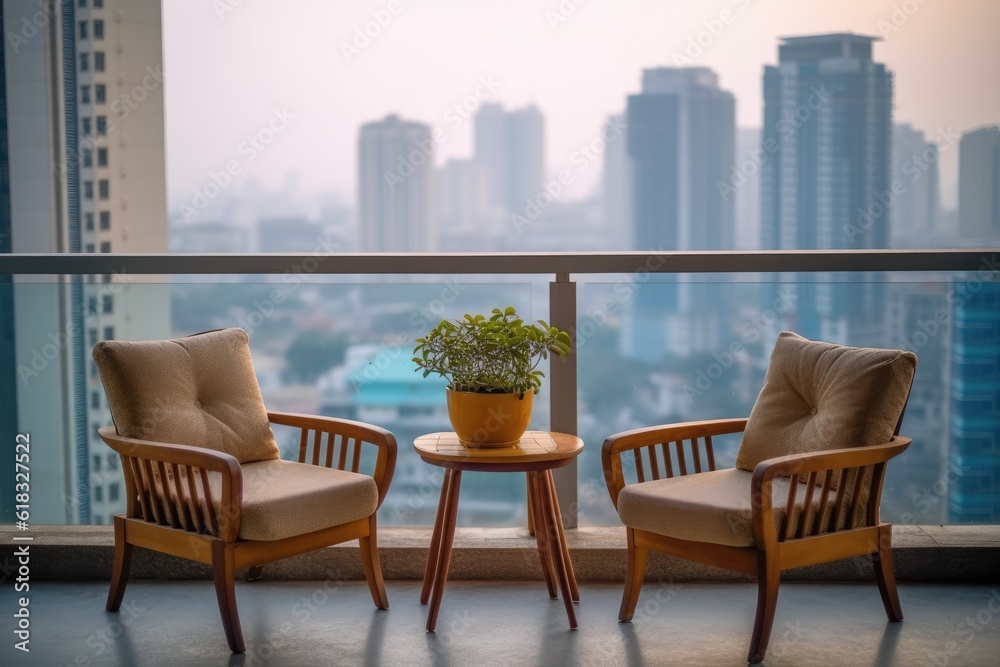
{"type": "Point", "coordinates": [819, 396]}
{"type": "Point", "coordinates": [199, 391]}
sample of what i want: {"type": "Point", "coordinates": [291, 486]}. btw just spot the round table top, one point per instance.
{"type": "Point", "coordinates": [537, 450]}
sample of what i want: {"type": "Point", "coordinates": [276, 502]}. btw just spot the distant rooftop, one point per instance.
{"type": "Point", "coordinates": [811, 48]}
{"type": "Point", "coordinates": [659, 80]}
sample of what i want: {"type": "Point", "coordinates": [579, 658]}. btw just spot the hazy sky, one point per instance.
{"type": "Point", "coordinates": [228, 71]}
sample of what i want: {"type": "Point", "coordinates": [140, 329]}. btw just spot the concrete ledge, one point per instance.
{"type": "Point", "coordinates": [922, 553]}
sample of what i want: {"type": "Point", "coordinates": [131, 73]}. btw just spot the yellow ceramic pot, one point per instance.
{"type": "Point", "coordinates": [489, 420]}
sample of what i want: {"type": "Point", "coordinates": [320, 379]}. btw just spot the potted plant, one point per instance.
{"type": "Point", "coordinates": [491, 365]}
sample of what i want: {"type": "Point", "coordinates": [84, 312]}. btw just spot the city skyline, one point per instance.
{"type": "Point", "coordinates": [935, 52]}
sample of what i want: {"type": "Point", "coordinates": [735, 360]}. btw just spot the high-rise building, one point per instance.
{"type": "Point", "coordinates": [745, 179]}
{"type": "Point", "coordinates": [395, 181]}
{"type": "Point", "coordinates": [463, 215]}
{"type": "Point", "coordinates": [974, 475]}
{"type": "Point", "coordinates": [914, 324]}
{"type": "Point", "coordinates": [827, 134]}
{"type": "Point", "coordinates": [617, 185]}
{"type": "Point", "coordinates": [681, 143]}
{"type": "Point", "coordinates": [84, 100]}
{"type": "Point", "coordinates": [509, 146]}
{"type": "Point", "coordinates": [979, 184]}
{"type": "Point", "coordinates": [681, 139]}
{"type": "Point", "coordinates": [915, 186]}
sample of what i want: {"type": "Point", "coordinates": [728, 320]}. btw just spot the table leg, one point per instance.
{"type": "Point", "coordinates": [453, 480]}
{"type": "Point", "coordinates": [542, 538]}
{"type": "Point", "coordinates": [562, 536]}
{"type": "Point", "coordinates": [531, 513]}
{"type": "Point", "coordinates": [549, 505]}
{"type": "Point", "coordinates": [435, 548]}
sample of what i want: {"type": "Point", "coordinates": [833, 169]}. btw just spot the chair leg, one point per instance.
{"type": "Point", "coordinates": [768, 578]}
{"type": "Point", "coordinates": [885, 574]}
{"type": "Point", "coordinates": [373, 569]}
{"type": "Point", "coordinates": [123, 562]}
{"type": "Point", "coordinates": [634, 573]}
{"type": "Point", "coordinates": [225, 591]}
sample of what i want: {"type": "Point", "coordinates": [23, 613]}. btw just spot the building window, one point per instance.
{"type": "Point", "coordinates": [102, 125]}
{"type": "Point", "coordinates": [85, 129]}
{"type": "Point", "coordinates": [109, 333]}
{"type": "Point", "coordinates": [84, 94]}
{"type": "Point", "coordinates": [89, 248]}
{"type": "Point", "coordinates": [81, 4]}
{"type": "Point", "coordinates": [98, 4]}
{"type": "Point", "coordinates": [100, 93]}
{"type": "Point", "coordinates": [103, 188]}
{"type": "Point", "coordinates": [83, 30]}
{"type": "Point", "coordinates": [97, 462]}
{"type": "Point", "coordinates": [84, 62]}
{"type": "Point", "coordinates": [113, 491]}
{"type": "Point", "coordinates": [102, 157]}
{"type": "Point", "coordinates": [88, 189]}
{"type": "Point", "coordinates": [106, 247]}
{"type": "Point", "coordinates": [95, 400]}
{"type": "Point", "coordinates": [112, 459]}
{"type": "Point", "coordinates": [98, 520]}
{"type": "Point", "coordinates": [93, 371]}
{"type": "Point", "coordinates": [88, 157]}
{"type": "Point", "coordinates": [92, 337]}
{"type": "Point", "coordinates": [98, 29]}
{"type": "Point", "coordinates": [107, 304]}
{"type": "Point", "coordinates": [92, 305]}
{"type": "Point", "coordinates": [105, 220]}
{"type": "Point", "coordinates": [98, 61]}
{"type": "Point", "coordinates": [89, 221]}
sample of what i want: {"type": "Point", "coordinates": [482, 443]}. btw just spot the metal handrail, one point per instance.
{"type": "Point", "coordinates": [653, 261]}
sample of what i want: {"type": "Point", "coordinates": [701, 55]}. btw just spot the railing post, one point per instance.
{"type": "Point", "coordinates": [562, 390]}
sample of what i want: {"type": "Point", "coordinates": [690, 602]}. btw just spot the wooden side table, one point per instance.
{"type": "Point", "coordinates": [537, 454]}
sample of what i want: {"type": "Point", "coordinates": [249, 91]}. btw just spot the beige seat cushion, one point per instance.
{"type": "Point", "coordinates": [286, 498]}
{"type": "Point", "coordinates": [709, 507]}
{"type": "Point", "coordinates": [819, 396]}
{"type": "Point", "coordinates": [199, 391]}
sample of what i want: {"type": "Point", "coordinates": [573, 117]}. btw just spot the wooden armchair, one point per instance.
{"type": "Point", "coordinates": [224, 497]}
{"type": "Point", "coordinates": [836, 412]}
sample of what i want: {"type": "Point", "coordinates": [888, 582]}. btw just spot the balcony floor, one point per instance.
{"type": "Point", "coordinates": [309, 623]}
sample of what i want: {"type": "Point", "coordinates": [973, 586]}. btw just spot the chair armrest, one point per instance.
{"type": "Point", "coordinates": [144, 454]}
{"type": "Point", "coordinates": [813, 463]}
{"type": "Point", "coordinates": [625, 441]}
{"type": "Point", "coordinates": [384, 440]}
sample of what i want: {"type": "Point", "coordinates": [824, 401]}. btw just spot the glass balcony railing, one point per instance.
{"type": "Point", "coordinates": [651, 347]}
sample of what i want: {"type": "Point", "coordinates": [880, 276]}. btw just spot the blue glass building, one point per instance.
{"type": "Point", "coordinates": [974, 454]}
